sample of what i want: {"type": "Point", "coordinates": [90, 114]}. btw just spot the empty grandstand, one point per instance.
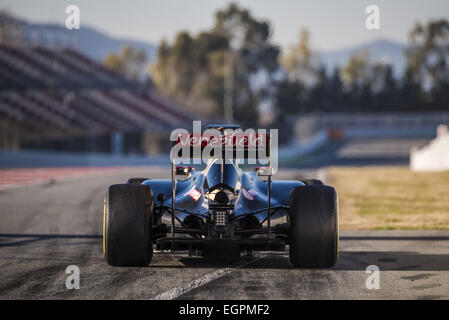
{"type": "Point", "coordinates": [59, 99]}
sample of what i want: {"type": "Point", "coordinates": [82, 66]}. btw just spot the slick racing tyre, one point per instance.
{"type": "Point", "coordinates": [313, 237]}
{"type": "Point", "coordinates": [313, 182]}
{"type": "Point", "coordinates": [128, 211]}
{"type": "Point", "coordinates": [136, 180]}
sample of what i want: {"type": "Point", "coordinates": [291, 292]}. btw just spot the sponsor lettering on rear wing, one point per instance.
{"type": "Point", "coordinates": [228, 143]}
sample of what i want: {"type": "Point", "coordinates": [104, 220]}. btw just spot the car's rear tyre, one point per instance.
{"type": "Point", "coordinates": [313, 237]}
{"type": "Point", "coordinates": [313, 182]}
{"type": "Point", "coordinates": [128, 212]}
{"type": "Point", "coordinates": [136, 180]}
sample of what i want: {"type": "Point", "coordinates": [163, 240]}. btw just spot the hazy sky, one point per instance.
{"type": "Point", "coordinates": [333, 24]}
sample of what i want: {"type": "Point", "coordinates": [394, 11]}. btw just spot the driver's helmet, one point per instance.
{"type": "Point", "coordinates": [230, 176]}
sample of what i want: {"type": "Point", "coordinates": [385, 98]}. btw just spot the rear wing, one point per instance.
{"type": "Point", "coordinates": [226, 143]}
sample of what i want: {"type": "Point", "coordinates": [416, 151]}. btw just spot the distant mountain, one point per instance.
{"type": "Point", "coordinates": [94, 44]}
{"type": "Point", "coordinates": [379, 51]}
{"type": "Point", "coordinates": [98, 45]}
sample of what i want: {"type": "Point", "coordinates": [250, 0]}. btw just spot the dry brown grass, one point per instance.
{"type": "Point", "coordinates": [391, 198]}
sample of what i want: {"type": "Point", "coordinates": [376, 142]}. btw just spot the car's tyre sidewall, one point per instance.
{"type": "Point", "coordinates": [313, 238]}
{"type": "Point", "coordinates": [136, 180]}
{"type": "Point", "coordinates": [313, 182]}
{"type": "Point", "coordinates": [127, 225]}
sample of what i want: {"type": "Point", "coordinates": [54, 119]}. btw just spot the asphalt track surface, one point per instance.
{"type": "Point", "coordinates": [46, 227]}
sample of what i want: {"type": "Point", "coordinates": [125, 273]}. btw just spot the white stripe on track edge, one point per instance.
{"type": "Point", "coordinates": [184, 288]}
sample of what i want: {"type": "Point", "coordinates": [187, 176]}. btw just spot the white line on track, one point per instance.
{"type": "Point", "coordinates": [184, 288]}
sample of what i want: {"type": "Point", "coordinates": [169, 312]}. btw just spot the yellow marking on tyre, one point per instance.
{"type": "Point", "coordinates": [104, 226]}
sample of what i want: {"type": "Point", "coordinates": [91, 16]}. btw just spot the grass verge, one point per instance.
{"type": "Point", "coordinates": [391, 198]}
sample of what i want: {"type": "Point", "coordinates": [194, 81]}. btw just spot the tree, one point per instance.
{"type": "Point", "coordinates": [192, 69]}
{"type": "Point", "coordinates": [298, 62]}
{"type": "Point", "coordinates": [384, 88]}
{"type": "Point", "coordinates": [128, 62]}
{"type": "Point", "coordinates": [289, 99]}
{"type": "Point", "coordinates": [336, 94]}
{"type": "Point", "coordinates": [254, 58]}
{"type": "Point", "coordinates": [428, 53]}
{"type": "Point", "coordinates": [428, 63]}
{"type": "Point", "coordinates": [356, 72]}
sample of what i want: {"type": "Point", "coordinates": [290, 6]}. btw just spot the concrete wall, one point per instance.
{"type": "Point", "coordinates": [435, 155]}
{"type": "Point", "coordinates": [304, 146]}
{"type": "Point", "coordinates": [33, 159]}
{"type": "Point", "coordinates": [372, 125]}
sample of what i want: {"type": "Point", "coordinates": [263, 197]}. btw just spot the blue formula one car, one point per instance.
{"type": "Point", "coordinates": [221, 211]}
